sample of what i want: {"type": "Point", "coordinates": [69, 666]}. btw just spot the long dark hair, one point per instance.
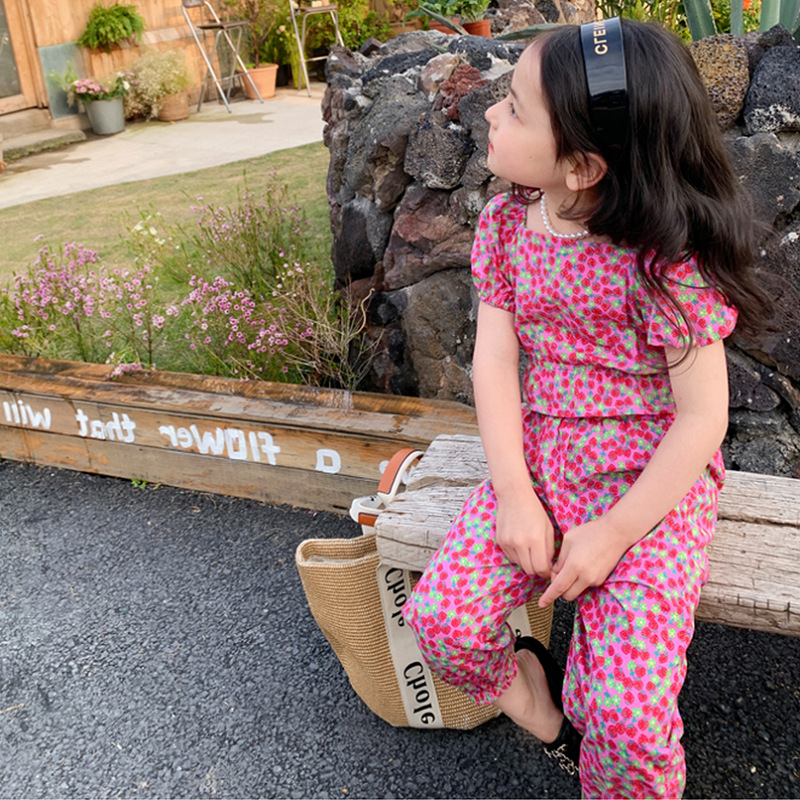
{"type": "Point", "coordinates": [670, 191]}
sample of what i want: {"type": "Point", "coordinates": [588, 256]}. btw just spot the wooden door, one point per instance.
{"type": "Point", "coordinates": [20, 84]}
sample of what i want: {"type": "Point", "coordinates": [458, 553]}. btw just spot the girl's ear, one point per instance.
{"type": "Point", "coordinates": [587, 172]}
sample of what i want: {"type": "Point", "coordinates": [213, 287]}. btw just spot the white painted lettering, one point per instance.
{"type": "Point", "coordinates": [254, 449]}
{"type": "Point", "coordinates": [114, 428]}
{"type": "Point", "coordinates": [328, 461]}
{"type": "Point", "coordinates": [214, 442]}
{"type": "Point", "coordinates": [23, 414]}
{"type": "Point", "coordinates": [40, 419]}
{"type": "Point", "coordinates": [184, 438]}
{"type": "Point", "coordinates": [82, 419]}
{"type": "Point", "coordinates": [128, 427]}
{"type": "Point", "coordinates": [237, 444]}
{"type": "Point", "coordinates": [118, 428]}
{"type": "Point", "coordinates": [169, 430]}
{"type": "Point", "coordinates": [268, 448]}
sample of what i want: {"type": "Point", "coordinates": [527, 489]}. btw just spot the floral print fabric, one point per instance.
{"type": "Point", "coordinates": [627, 659]}
{"type": "Point", "coordinates": [593, 336]}
{"type": "Point", "coordinates": [597, 402]}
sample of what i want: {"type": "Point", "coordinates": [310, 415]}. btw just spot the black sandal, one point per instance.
{"type": "Point", "coordinates": [566, 748]}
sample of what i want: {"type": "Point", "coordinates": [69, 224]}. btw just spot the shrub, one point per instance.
{"type": "Point", "coordinates": [239, 296]}
{"type": "Point", "coordinates": [252, 242]}
{"type": "Point", "coordinates": [155, 75]}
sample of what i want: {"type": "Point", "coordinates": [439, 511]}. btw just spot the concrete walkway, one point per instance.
{"type": "Point", "coordinates": [152, 149]}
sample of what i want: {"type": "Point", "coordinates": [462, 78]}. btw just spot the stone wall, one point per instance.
{"type": "Point", "coordinates": [408, 179]}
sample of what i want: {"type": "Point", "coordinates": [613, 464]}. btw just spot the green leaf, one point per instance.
{"type": "Point", "coordinates": [790, 10]}
{"type": "Point", "coordinates": [424, 11]}
{"type": "Point", "coordinates": [527, 33]}
{"type": "Point", "coordinates": [737, 17]}
{"type": "Point", "coordinates": [770, 14]}
{"type": "Point", "coordinates": [700, 18]}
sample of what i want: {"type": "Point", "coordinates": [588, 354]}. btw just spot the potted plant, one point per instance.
{"type": "Point", "coordinates": [111, 26]}
{"type": "Point", "coordinates": [440, 14]}
{"type": "Point", "coordinates": [103, 100]}
{"type": "Point", "coordinates": [280, 47]}
{"type": "Point", "coordinates": [472, 14]}
{"type": "Point", "coordinates": [159, 86]}
{"type": "Point", "coordinates": [261, 16]}
{"type": "Point", "coordinates": [455, 16]}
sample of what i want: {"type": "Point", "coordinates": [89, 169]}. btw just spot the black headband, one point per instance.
{"type": "Point", "coordinates": [604, 61]}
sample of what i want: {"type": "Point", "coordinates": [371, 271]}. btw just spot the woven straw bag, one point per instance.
{"type": "Point", "coordinates": [356, 601]}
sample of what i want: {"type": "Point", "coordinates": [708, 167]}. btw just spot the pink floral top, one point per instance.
{"type": "Point", "coordinates": [593, 335]}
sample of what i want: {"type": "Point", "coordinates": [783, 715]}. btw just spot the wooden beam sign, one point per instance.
{"type": "Point", "coordinates": [314, 448]}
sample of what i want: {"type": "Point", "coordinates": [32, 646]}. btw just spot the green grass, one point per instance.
{"type": "Point", "coordinates": [98, 218]}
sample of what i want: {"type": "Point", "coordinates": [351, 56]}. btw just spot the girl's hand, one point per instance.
{"type": "Point", "coordinates": [525, 533]}
{"type": "Point", "coordinates": [588, 556]}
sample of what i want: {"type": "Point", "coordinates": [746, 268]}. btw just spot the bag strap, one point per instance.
{"type": "Point", "coordinates": [365, 510]}
{"type": "Point", "coordinates": [393, 474]}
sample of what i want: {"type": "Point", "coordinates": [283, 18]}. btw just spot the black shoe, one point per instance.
{"type": "Point", "coordinates": [566, 748]}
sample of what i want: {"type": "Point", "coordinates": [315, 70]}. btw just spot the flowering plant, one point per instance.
{"type": "Point", "coordinates": [89, 89]}
{"type": "Point", "coordinates": [240, 297]}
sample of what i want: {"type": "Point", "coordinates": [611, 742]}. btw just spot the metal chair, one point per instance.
{"type": "Point", "coordinates": [303, 12]}
{"type": "Point", "coordinates": [214, 31]}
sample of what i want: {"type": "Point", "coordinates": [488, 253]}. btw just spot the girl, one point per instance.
{"type": "Point", "coordinates": [618, 264]}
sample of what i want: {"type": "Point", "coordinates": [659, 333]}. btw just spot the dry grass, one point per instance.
{"type": "Point", "coordinates": [98, 218]}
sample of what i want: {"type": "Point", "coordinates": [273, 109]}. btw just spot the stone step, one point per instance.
{"type": "Point", "coordinates": [14, 148]}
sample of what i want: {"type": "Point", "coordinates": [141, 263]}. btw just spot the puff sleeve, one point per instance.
{"type": "Point", "coordinates": [706, 308]}
{"type": "Point", "coordinates": [491, 266]}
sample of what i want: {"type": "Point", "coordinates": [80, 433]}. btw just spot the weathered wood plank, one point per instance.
{"type": "Point", "coordinates": [319, 447]}
{"type": "Point", "coordinates": [754, 558]}
{"type": "Point", "coordinates": [750, 497]}
{"type": "Point", "coordinates": [271, 484]}
{"type": "Point", "coordinates": [406, 419]}
{"type": "Point", "coordinates": [227, 438]}
{"type": "Point", "coordinates": [456, 460]}
{"type": "Point", "coordinates": [451, 460]}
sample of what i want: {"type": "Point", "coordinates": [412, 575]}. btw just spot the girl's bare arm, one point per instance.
{"type": "Point", "coordinates": [524, 531]}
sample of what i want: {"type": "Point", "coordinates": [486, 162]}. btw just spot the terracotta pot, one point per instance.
{"type": "Point", "coordinates": [264, 78]}
{"type": "Point", "coordinates": [482, 27]}
{"type": "Point", "coordinates": [437, 26]}
{"type": "Point", "coordinates": [174, 107]}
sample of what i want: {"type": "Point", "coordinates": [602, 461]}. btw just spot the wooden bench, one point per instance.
{"type": "Point", "coordinates": [755, 556]}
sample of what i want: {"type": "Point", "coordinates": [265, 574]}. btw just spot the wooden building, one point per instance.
{"type": "Point", "coordinates": [37, 38]}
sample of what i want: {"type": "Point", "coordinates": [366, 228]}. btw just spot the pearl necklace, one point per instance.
{"type": "Point", "coordinates": [551, 230]}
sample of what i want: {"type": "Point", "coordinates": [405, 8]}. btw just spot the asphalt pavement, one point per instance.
{"type": "Point", "coordinates": [156, 643]}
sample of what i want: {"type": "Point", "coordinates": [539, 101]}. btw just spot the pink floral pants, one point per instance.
{"type": "Point", "coordinates": [627, 659]}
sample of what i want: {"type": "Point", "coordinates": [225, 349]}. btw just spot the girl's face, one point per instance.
{"type": "Point", "coordinates": [522, 148]}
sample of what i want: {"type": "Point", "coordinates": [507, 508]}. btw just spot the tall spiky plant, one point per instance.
{"type": "Point", "coordinates": [701, 16]}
